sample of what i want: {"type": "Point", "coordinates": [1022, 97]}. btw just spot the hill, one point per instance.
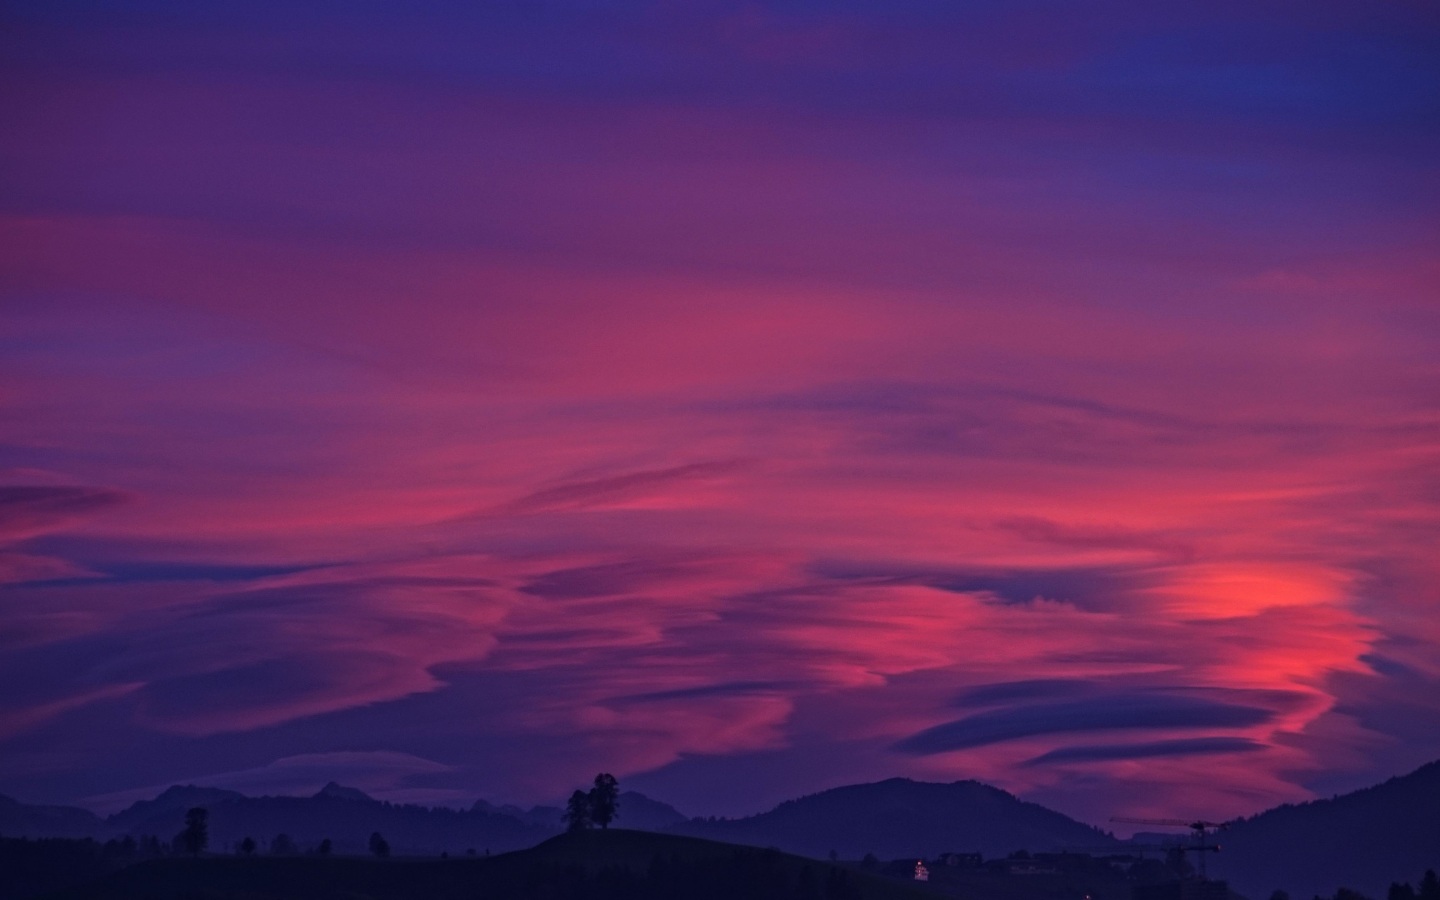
{"type": "Point", "coordinates": [25, 820]}
{"type": "Point", "coordinates": [1362, 840]}
{"type": "Point", "coordinates": [595, 865]}
{"type": "Point", "coordinates": [899, 818]}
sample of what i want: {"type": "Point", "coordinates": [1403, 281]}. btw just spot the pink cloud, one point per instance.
{"type": "Point", "coordinates": [664, 429]}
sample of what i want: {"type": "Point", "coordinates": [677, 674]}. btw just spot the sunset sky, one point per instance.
{"type": "Point", "coordinates": [458, 400]}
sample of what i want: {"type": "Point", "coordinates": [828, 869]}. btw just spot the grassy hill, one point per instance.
{"type": "Point", "coordinates": [596, 865]}
{"type": "Point", "coordinates": [1362, 840]}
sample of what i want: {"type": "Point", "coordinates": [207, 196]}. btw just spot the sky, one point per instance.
{"type": "Point", "coordinates": [457, 400]}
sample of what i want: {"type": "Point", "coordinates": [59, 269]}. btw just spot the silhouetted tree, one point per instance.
{"type": "Point", "coordinates": [1400, 891]}
{"type": "Point", "coordinates": [577, 812]}
{"type": "Point", "coordinates": [604, 800]}
{"type": "Point", "coordinates": [247, 846]}
{"type": "Point", "coordinates": [282, 845]}
{"type": "Point", "coordinates": [1349, 894]}
{"type": "Point", "coordinates": [325, 848]}
{"type": "Point", "coordinates": [1429, 886]}
{"type": "Point", "coordinates": [870, 861]}
{"type": "Point", "coordinates": [1278, 894]}
{"type": "Point", "coordinates": [196, 836]}
{"type": "Point", "coordinates": [379, 846]}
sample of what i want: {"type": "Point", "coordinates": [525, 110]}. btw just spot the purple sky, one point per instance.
{"type": "Point", "coordinates": [742, 399]}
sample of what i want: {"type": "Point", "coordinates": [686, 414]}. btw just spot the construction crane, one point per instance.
{"type": "Point", "coordinates": [1203, 830]}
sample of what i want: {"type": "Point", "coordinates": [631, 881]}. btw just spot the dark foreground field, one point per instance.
{"type": "Point", "coordinates": [595, 865]}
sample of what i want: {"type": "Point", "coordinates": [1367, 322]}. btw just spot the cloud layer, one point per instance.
{"type": "Point", "coordinates": [839, 393]}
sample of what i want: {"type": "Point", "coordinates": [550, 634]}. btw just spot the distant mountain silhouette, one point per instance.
{"type": "Point", "coordinates": [547, 817]}
{"type": "Point", "coordinates": [335, 791]}
{"type": "Point", "coordinates": [164, 815]}
{"type": "Point", "coordinates": [1363, 840]}
{"type": "Point", "coordinates": [348, 817]}
{"type": "Point", "coordinates": [23, 820]}
{"type": "Point", "coordinates": [900, 817]}
{"type": "Point", "coordinates": [345, 815]}
{"type": "Point", "coordinates": [637, 811]}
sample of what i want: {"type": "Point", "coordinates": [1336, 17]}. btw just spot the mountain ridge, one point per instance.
{"type": "Point", "coordinates": [1317, 846]}
{"type": "Point", "coordinates": [1362, 840]}
{"type": "Point", "coordinates": [345, 815]}
{"type": "Point", "coordinates": [38, 820]}
{"type": "Point", "coordinates": [337, 791]}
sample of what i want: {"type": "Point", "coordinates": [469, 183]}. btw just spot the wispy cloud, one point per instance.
{"type": "Point", "coordinates": [615, 488]}
{"type": "Point", "coordinates": [1112, 713]}
{"type": "Point", "coordinates": [854, 394]}
{"type": "Point", "coordinates": [1148, 750]}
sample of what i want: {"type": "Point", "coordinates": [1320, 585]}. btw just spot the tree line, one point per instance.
{"type": "Point", "coordinates": [194, 838]}
{"type": "Point", "coordinates": [585, 809]}
{"type": "Point", "coordinates": [1399, 890]}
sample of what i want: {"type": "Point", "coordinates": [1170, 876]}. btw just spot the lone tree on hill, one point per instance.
{"type": "Point", "coordinates": [604, 800]}
{"type": "Point", "coordinates": [196, 835]}
{"type": "Point", "coordinates": [247, 846]}
{"type": "Point", "coordinates": [577, 812]}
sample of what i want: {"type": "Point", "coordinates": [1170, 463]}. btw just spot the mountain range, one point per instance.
{"type": "Point", "coordinates": [345, 815]}
{"type": "Point", "coordinates": [1363, 840]}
